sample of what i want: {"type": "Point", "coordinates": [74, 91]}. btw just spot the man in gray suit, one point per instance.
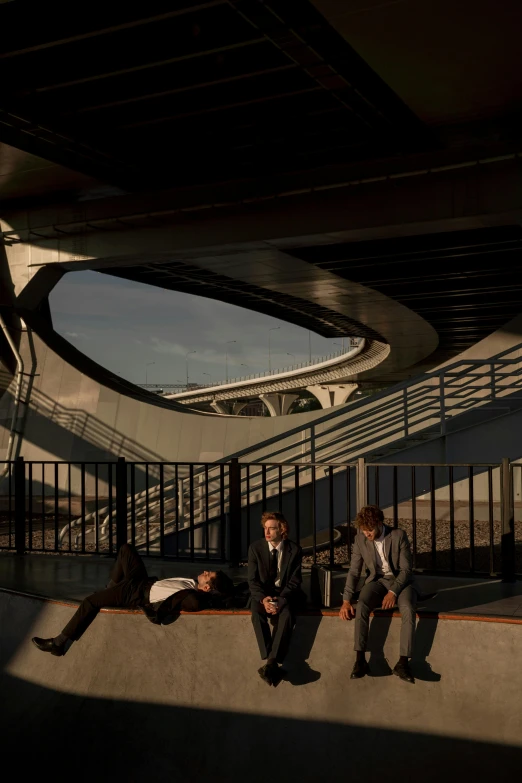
{"type": "Point", "coordinates": [385, 552]}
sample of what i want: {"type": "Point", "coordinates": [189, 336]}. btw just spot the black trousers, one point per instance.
{"type": "Point", "coordinates": [276, 644]}
{"type": "Point", "coordinates": [130, 590]}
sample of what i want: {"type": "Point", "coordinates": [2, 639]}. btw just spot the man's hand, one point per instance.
{"type": "Point", "coordinates": [389, 600]}
{"type": "Point", "coordinates": [269, 608]}
{"type": "Point", "coordinates": [347, 611]}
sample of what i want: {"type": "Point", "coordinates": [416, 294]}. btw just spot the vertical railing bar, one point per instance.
{"type": "Point", "coordinates": [69, 509]}
{"type": "Point", "coordinates": [433, 519]}
{"type": "Point", "coordinates": [176, 479]}
{"type": "Point", "coordinates": [162, 510]}
{"type": "Point", "coordinates": [223, 518]}
{"type": "Point", "coordinates": [471, 510]}
{"type": "Point", "coordinates": [395, 499]}
{"type": "Point", "coordinates": [297, 505]}
{"type": "Point", "coordinates": [331, 513]}
{"type": "Point", "coordinates": [96, 510]}
{"type": "Point", "coordinates": [56, 510]}
{"type": "Point", "coordinates": [207, 523]}
{"type": "Point", "coordinates": [147, 510]}
{"type": "Point", "coordinates": [314, 520]}
{"type": "Point", "coordinates": [82, 502]}
{"type": "Point", "coordinates": [42, 501]}
{"type": "Point", "coordinates": [414, 516]}
{"type": "Point", "coordinates": [452, 517]}
{"type": "Point", "coordinates": [491, 524]}
{"type": "Point", "coordinates": [133, 501]}
{"type": "Point", "coordinates": [10, 502]}
{"type": "Point", "coordinates": [109, 487]}
{"type": "Point", "coordinates": [263, 486]}
{"type": "Point", "coordinates": [248, 519]}
{"type": "Point", "coordinates": [30, 505]}
{"type": "Point", "coordinates": [281, 488]}
{"type": "Point", "coordinates": [191, 510]}
{"type": "Point", "coordinates": [349, 509]}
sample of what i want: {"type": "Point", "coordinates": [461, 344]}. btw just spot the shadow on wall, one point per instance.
{"type": "Point", "coordinates": [74, 434]}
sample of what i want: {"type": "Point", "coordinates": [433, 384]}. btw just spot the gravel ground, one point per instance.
{"type": "Point", "coordinates": [423, 556]}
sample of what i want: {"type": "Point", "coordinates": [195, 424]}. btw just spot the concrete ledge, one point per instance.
{"type": "Point", "coordinates": [307, 613]}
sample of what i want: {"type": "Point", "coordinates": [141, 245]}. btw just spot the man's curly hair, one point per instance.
{"type": "Point", "coordinates": [369, 517]}
{"type": "Point", "coordinates": [279, 518]}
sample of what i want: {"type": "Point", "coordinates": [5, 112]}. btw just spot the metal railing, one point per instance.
{"type": "Point", "coordinates": [352, 345]}
{"type": "Point", "coordinates": [426, 407]}
{"type": "Point", "coordinates": [460, 519]}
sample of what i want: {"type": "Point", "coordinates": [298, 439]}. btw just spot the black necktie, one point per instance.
{"type": "Point", "coordinates": [273, 565]}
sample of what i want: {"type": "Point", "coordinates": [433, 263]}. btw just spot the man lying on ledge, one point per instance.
{"type": "Point", "coordinates": [130, 587]}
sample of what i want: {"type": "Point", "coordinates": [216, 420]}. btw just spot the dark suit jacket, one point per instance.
{"type": "Point", "coordinates": [182, 601]}
{"type": "Point", "coordinates": [259, 570]}
{"type": "Point", "coordinates": [398, 554]}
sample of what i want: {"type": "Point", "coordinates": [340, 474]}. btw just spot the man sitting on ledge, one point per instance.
{"type": "Point", "coordinates": [385, 552]}
{"type": "Point", "coordinates": [274, 579]}
{"type": "Point", "coordinates": [130, 586]}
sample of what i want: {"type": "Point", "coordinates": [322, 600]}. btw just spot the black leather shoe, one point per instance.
{"type": "Point", "coordinates": [403, 671]}
{"type": "Point", "coordinates": [48, 645]}
{"type": "Point", "coordinates": [270, 673]}
{"type": "Point", "coordinates": [360, 668]}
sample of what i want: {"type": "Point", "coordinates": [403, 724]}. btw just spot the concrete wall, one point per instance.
{"type": "Point", "coordinates": [184, 701]}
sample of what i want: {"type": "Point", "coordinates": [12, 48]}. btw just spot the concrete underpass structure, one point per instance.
{"type": "Point", "coordinates": [351, 169]}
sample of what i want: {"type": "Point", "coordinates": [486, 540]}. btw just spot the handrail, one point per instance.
{"type": "Point", "coordinates": [423, 403]}
{"type": "Point", "coordinates": [391, 396]}
{"type": "Point", "coordinates": [316, 362]}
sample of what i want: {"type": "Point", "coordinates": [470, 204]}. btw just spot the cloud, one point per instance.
{"type": "Point", "coordinates": [76, 335]}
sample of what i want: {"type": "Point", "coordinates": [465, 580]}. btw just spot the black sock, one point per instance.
{"type": "Point", "coordinates": [403, 659]}
{"type": "Point", "coordinates": [60, 640]}
{"type": "Point", "coordinates": [360, 655]}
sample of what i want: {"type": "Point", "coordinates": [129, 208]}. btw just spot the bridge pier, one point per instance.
{"type": "Point", "coordinates": [228, 408]}
{"type": "Point", "coordinates": [333, 394]}
{"type": "Point", "coordinates": [278, 403]}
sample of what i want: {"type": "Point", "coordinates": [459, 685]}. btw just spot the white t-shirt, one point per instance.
{"type": "Point", "coordinates": [164, 588]}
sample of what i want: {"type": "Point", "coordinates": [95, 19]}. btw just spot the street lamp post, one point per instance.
{"type": "Point", "coordinates": [226, 358]}
{"type": "Point", "coordinates": [209, 376]}
{"type": "Point", "coordinates": [273, 329]}
{"type": "Point", "coordinates": [146, 371]}
{"type": "Point", "coordinates": [186, 365]}
{"type": "Point", "coordinates": [292, 355]}
{"type": "Point", "coordinates": [310, 346]}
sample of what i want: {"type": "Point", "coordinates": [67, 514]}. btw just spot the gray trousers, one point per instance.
{"type": "Point", "coordinates": [370, 598]}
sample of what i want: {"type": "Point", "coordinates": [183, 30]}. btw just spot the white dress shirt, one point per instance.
{"type": "Point", "coordinates": [383, 567]}
{"type": "Point", "coordinates": [164, 588]}
{"type": "Point", "coordinates": [279, 548]}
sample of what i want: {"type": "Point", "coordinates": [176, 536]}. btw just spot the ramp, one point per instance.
{"type": "Point", "coordinates": [133, 701]}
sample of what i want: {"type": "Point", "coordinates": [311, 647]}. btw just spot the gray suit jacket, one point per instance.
{"type": "Point", "coordinates": [397, 549]}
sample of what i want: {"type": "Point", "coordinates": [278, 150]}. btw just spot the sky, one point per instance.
{"type": "Point", "coordinates": [125, 326]}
